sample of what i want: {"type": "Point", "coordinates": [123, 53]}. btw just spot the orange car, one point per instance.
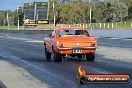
{"type": "Point", "coordinates": [70, 42]}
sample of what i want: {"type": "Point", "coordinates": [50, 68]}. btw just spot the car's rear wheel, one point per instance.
{"type": "Point", "coordinates": [90, 57]}
{"type": "Point", "coordinates": [47, 54]}
{"type": "Point", "coordinates": [56, 57]}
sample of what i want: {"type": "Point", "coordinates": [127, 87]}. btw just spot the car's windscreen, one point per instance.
{"type": "Point", "coordinates": [66, 33]}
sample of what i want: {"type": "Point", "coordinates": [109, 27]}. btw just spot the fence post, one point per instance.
{"type": "Point", "coordinates": [83, 25]}
{"type": "Point", "coordinates": [61, 26]}
{"type": "Point", "coordinates": [77, 25]}
{"type": "Point", "coordinates": [86, 25]}
{"type": "Point", "coordinates": [80, 25]}
{"type": "Point", "coordinates": [108, 26]}
{"type": "Point", "coordinates": [112, 26]}
{"type": "Point", "coordinates": [131, 24]}
{"type": "Point", "coordinates": [100, 25]}
{"type": "Point", "coordinates": [104, 25]}
{"type": "Point", "coordinates": [125, 24]}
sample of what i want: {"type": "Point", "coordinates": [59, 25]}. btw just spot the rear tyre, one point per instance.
{"type": "Point", "coordinates": [90, 57]}
{"type": "Point", "coordinates": [56, 57]}
{"type": "Point", "coordinates": [47, 54]}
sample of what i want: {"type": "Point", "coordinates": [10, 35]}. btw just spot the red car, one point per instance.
{"type": "Point", "coordinates": [70, 42]}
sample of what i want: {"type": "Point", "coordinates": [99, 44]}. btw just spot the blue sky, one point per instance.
{"type": "Point", "coordinates": [13, 4]}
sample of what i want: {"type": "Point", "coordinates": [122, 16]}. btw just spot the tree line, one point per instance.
{"type": "Point", "coordinates": [11, 18]}
{"type": "Point", "coordinates": [102, 11]}
{"type": "Point", "coordinates": [79, 12]}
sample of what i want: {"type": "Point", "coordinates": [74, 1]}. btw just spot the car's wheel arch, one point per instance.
{"type": "Point", "coordinates": [53, 49]}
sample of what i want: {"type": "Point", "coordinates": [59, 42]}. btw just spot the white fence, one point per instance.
{"type": "Point", "coordinates": [118, 25]}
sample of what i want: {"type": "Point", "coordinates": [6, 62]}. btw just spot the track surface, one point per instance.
{"type": "Point", "coordinates": [26, 50]}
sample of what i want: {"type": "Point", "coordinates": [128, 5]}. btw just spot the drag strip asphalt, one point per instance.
{"type": "Point", "coordinates": [26, 50]}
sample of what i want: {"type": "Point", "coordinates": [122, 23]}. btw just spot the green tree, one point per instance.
{"type": "Point", "coordinates": [130, 12]}
{"type": "Point", "coordinates": [7, 16]}
{"type": "Point", "coordinates": [18, 15]}
{"type": "Point", "coordinates": [127, 2]}
{"type": "Point", "coordinates": [114, 10]}
{"type": "Point", "coordinates": [70, 13]}
{"type": "Point", "coordinates": [2, 18]}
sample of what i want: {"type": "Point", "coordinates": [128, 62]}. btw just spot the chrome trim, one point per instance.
{"type": "Point", "coordinates": [83, 48]}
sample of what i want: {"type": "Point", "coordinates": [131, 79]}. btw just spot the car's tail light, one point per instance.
{"type": "Point", "coordinates": [59, 44]}
{"type": "Point", "coordinates": [93, 44]}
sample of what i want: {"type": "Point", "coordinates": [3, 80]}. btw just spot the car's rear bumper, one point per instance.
{"type": "Point", "coordinates": [84, 50]}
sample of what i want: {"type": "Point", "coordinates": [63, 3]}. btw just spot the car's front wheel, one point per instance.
{"type": "Point", "coordinates": [90, 57]}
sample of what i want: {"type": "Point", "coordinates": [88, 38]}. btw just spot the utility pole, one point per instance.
{"type": "Point", "coordinates": [90, 12]}
{"type": "Point", "coordinates": [23, 13]}
{"type": "Point", "coordinates": [35, 11]}
{"type": "Point", "coordinates": [18, 18]}
{"type": "Point", "coordinates": [54, 11]}
{"type": "Point", "coordinates": [48, 9]}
